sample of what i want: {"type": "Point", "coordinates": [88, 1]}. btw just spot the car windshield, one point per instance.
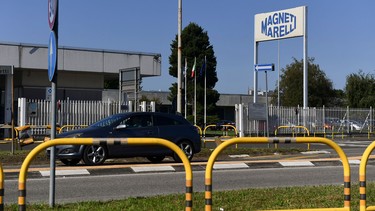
{"type": "Point", "coordinates": [107, 121]}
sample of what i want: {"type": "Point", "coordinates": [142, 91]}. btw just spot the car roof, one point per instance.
{"type": "Point", "coordinates": [175, 116]}
{"type": "Point", "coordinates": [150, 113]}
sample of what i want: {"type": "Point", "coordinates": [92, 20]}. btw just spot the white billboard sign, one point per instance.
{"type": "Point", "coordinates": [280, 24]}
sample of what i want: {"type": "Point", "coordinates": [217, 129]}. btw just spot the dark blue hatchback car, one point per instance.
{"type": "Point", "coordinates": [130, 125]}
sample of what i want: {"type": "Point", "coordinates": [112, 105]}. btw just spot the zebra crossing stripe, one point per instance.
{"type": "Point", "coordinates": [66, 172]}
{"type": "Point", "coordinates": [296, 163]}
{"type": "Point", "coordinates": [230, 166]}
{"type": "Point", "coordinates": [153, 169]}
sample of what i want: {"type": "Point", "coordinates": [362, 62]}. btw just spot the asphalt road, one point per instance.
{"type": "Point", "coordinates": [118, 186]}
{"type": "Point", "coordinates": [121, 184]}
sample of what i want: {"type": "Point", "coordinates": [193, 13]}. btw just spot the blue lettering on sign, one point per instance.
{"type": "Point", "coordinates": [279, 24]}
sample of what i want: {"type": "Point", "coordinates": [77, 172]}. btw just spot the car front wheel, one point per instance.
{"type": "Point", "coordinates": [94, 155]}
{"type": "Point", "coordinates": [187, 148]}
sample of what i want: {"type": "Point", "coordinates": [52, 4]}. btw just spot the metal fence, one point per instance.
{"type": "Point", "coordinates": [317, 120]}
{"type": "Point", "coordinates": [69, 112]}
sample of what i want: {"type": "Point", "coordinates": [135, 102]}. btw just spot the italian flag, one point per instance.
{"type": "Point", "coordinates": [193, 70]}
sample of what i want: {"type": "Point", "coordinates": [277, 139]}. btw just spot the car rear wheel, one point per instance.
{"type": "Point", "coordinates": [187, 148]}
{"type": "Point", "coordinates": [156, 159]}
{"type": "Point", "coordinates": [70, 162]}
{"type": "Point", "coordinates": [94, 155]}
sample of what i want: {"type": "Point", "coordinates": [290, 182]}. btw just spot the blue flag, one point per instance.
{"type": "Point", "coordinates": [203, 68]}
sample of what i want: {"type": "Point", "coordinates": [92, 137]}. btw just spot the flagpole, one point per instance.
{"type": "Point", "coordinates": [205, 91]}
{"type": "Point", "coordinates": [185, 87]}
{"type": "Point", "coordinates": [195, 90]}
{"type": "Point", "coordinates": [195, 99]}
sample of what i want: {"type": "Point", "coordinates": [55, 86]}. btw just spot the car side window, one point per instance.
{"type": "Point", "coordinates": [138, 121]}
{"type": "Point", "coordinates": [147, 121]}
{"type": "Point", "coordinates": [163, 121]}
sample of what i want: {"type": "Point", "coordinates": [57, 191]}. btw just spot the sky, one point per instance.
{"type": "Point", "coordinates": [340, 34]}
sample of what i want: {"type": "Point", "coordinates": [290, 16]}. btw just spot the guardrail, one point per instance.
{"type": "Point", "coordinates": [277, 140]}
{"type": "Point", "coordinates": [362, 178]}
{"type": "Point", "coordinates": [1, 188]}
{"type": "Point", "coordinates": [99, 141]}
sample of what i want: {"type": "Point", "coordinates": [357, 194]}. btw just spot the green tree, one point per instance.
{"type": "Point", "coordinates": [360, 90]}
{"type": "Point", "coordinates": [320, 89]}
{"type": "Point", "coordinates": [195, 44]}
{"type": "Point", "coordinates": [338, 99]}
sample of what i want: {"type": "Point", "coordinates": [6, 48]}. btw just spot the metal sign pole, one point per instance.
{"type": "Point", "coordinates": [255, 72]}
{"type": "Point", "coordinates": [53, 8]}
{"type": "Point", "coordinates": [12, 110]}
{"type": "Point", "coordinates": [52, 155]}
{"type": "Point", "coordinates": [265, 68]}
{"type": "Point", "coordinates": [267, 130]}
{"type": "Point", "coordinates": [119, 91]}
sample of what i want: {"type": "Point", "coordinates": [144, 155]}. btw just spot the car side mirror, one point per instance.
{"type": "Point", "coordinates": [119, 127]}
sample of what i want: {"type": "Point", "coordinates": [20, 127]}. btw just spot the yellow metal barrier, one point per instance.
{"type": "Point", "coordinates": [208, 126]}
{"type": "Point", "coordinates": [205, 129]}
{"type": "Point", "coordinates": [22, 141]}
{"type": "Point", "coordinates": [98, 141]}
{"type": "Point", "coordinates": [71, 127]}
{"type": "Point", "coordinates": [276, 140]}
{"type": "Point", "coordinates": [293, 127]}
{"type": "Point", "coordinates": [362, 178]}
{"type": "Point", "coordinates": [1, 188]}
{"type": "Point", "coordinates": [6, 140]}
{"type": "Point", "coordinates": [199, 129]}
{"type": "Point", "coordinates": [204, 135]}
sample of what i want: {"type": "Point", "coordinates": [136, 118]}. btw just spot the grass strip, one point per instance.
{"type": "Point", "coordinates": [7, 158]}
{"type": "Point", "coordinates": [327, 196]}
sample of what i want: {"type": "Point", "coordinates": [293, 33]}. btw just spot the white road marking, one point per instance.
{"type": "Point", "coordinates": [230, 166]}
{"type": "Point", "coordinates": [316, 152]}
{"type": "Point", "coordinates": [66, 172]}
{"type": "Point", "coordinates": [296, 163]}
{"type": "Point", "coordinates": [153, 169]}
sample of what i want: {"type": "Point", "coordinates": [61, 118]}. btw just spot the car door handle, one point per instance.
{"type": "Point", "coordinates": [150, 132]}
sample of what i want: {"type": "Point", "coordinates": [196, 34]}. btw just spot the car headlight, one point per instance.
{"type": "Point", "coordinates": [67, 151]}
